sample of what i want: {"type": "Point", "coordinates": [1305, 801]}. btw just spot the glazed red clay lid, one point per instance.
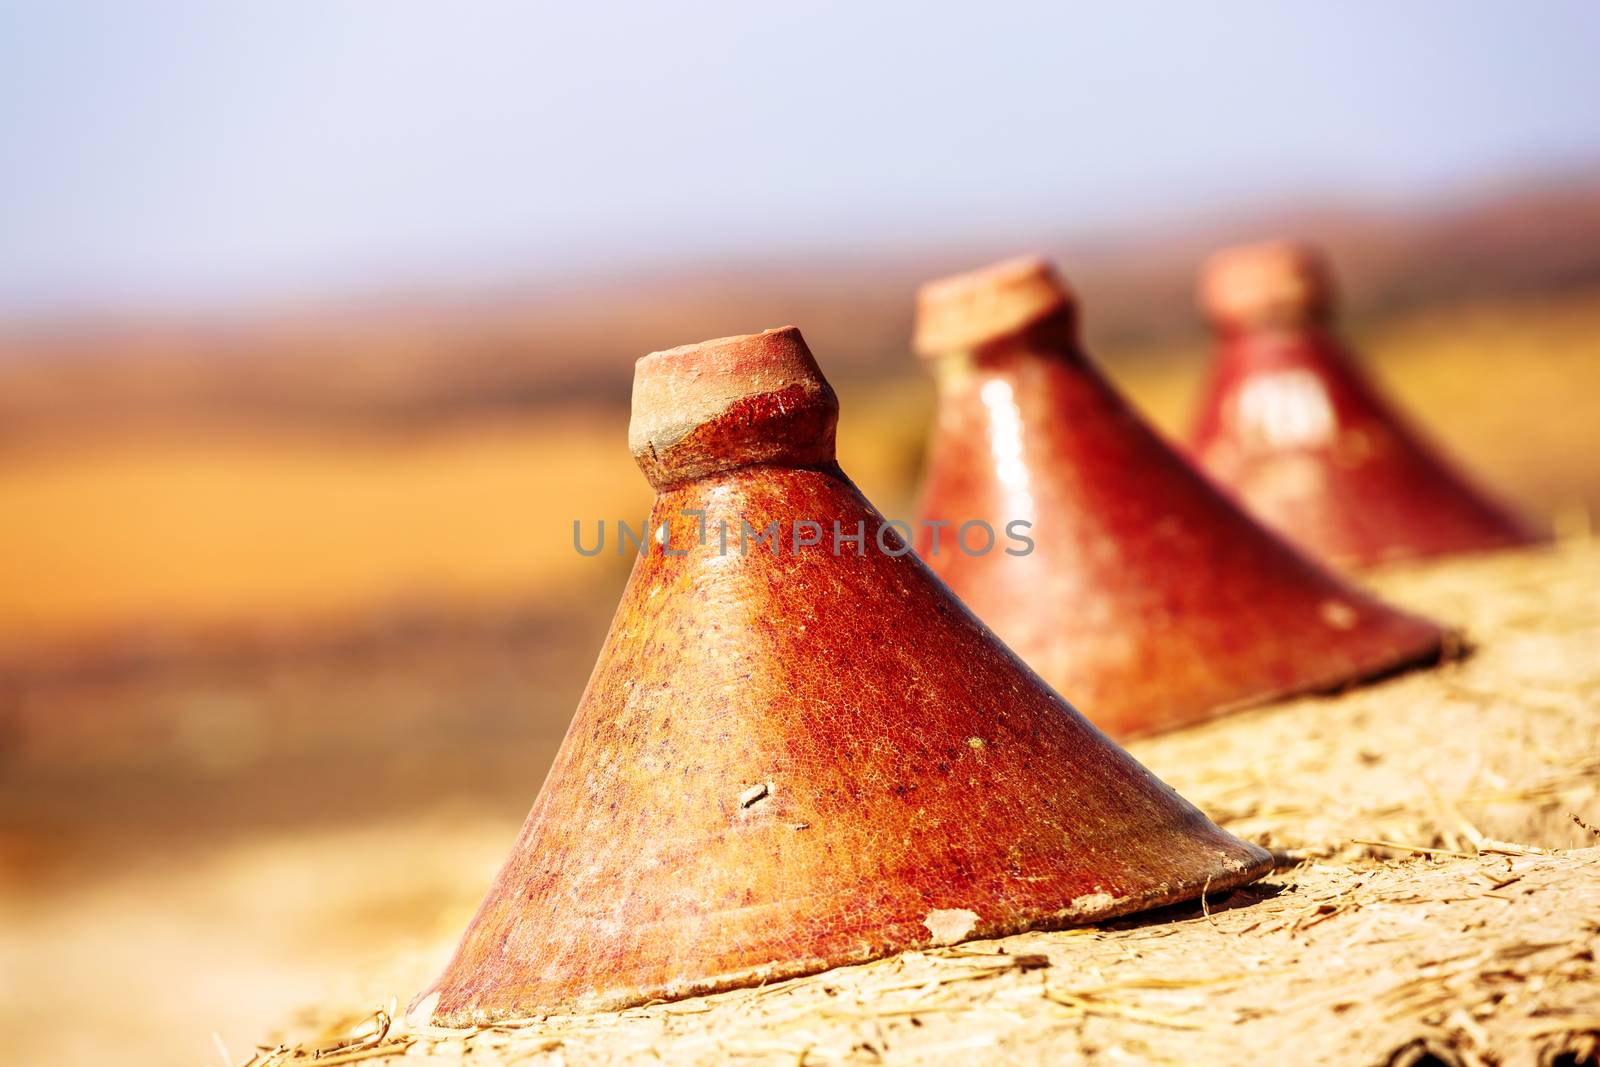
{"type": "Point", "coordinates": [1292, 425]}
{"type": "Point", "coordinates": [786, 761]}
{"type": "Point", "coordinates": [1273, 283]}
{"type": "Point", "coordinates": [731, 402]}
{"type": "Point", "coordinates": [966, 311]}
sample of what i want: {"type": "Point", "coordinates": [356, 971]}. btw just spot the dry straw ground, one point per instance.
{"type": "Point", "coordinates": [1439, 899]}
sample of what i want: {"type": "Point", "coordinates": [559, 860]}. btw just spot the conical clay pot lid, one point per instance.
{"type": "Point", "coordinates": [1141, 592]}
{"type": "Point", "coordinates": [1291, 425]}
{"type": "Point", "coordinates": [794, 759]}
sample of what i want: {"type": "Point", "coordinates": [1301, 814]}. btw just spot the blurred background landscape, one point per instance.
{"type": "Point", "coordinates": [316, 333]}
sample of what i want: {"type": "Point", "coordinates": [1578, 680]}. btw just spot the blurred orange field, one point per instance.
{"type": "Point", "coordinates": [187, 527]}
{"type": "Point", "coordinates": [237, 528]}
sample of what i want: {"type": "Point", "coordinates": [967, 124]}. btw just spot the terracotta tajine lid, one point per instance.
{"type": "Point", "coordinates": [967, 311]}
{"type": "Point", "coordinates": [792, 758]}
{"type": "Point", "coordinates": [1274, 283]}
{"type": "Point", "coordinates": [1292, 425]}
{"type": "Point", "coordinates": [731, 402]}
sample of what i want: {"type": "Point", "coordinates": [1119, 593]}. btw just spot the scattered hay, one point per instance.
{"type": "Point", "coordinates": [1432, 904]}
{"type": "Point", "coordinates": [1492, 958]}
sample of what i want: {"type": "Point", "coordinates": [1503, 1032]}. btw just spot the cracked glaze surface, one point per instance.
{"type": "Point", "coordinates": [1291, 425]}
{"type": "Point", "coordinates": [1149, 598]}
{"type": "Point", "coordinates": [786, 762]}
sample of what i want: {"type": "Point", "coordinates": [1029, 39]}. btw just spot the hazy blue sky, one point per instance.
{"type": "Point", "coordinates": [202, 152]}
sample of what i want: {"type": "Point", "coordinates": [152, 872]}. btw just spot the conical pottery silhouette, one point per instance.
{"type": "Point", "coordinates": [1291, 425]}
{"type": "Point", "coordinates": [1148, 597]}
{"type": "Point", "coordinates": [788, 759]}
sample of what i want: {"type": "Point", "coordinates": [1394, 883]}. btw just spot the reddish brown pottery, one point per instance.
{"type": "Point", "coordinates": [1292, 425]}
{"type": "Point", "coordinates": [1149, 598]}
{"type": "Point", "coordinates": [786, 762]}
